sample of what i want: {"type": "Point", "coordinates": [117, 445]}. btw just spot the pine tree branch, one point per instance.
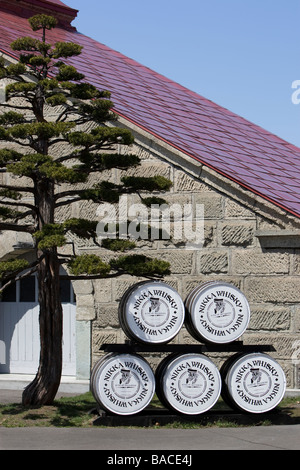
{"type": "Point", "coordinates": [64, 114]}
{"type": "Point", "coordinates": [65, 257]}
{"type": "Point", "coordinates": [25, 214]}
{"type": "Point", "coordinates": [6, 105]}
{"type": "Point", "coordinates": [18, 278]}
{"type": "Point", "coordinates": [14, 278]}
{"type": "Point", "coordinates": [17, 228]}
{"type": "Point", "coordinates": [18, 142]}
{"type": "Point", "coordinates": [72, 277]}
{"type": "Point", "coordinates": [66, 158]}
{"type": "Point", "coordinates": [19, 204]}
{"type": "Point", "coordinates": [17, 188]}
{"type": "Point", "coordinates": [107, 276]}
{"type": "Point", "coordinates": [68, 201]}
{"type": "Point", "coordinates": [68, 193]}
{"type": "Point", "coordinates": [56, 141]}
{"type": "Point", "coordinates": [17, 78]}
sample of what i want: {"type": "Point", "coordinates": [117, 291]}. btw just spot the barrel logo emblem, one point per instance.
{"type": "Point", "coordinates": [151, 312]}
{"type": "Point", "coordinates": [217, 312]}
{"type": "Point", "coordinates": [190, 383]}
{"type": "Point", "coordinates": [255, 382]}
{"type": "Point", "coordinates": [123, 383]}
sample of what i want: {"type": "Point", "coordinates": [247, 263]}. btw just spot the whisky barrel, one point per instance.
{"type": "Point", "coordinates": [122, 384]}
{"type": "Point", "coordinates": [253, 382]}
{"type": "Point", "coordinates": [151, 312]}
{"type": "Point", "coordinates": [216, 312]}
{"type": "Point", "coordinates": [188, 383]}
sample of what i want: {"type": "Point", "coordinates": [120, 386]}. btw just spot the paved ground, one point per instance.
{"type": "Point", "coordinates": [15, 396]}
{"type": "Point", "coordinates": [252, 438]}
{"type": "Point", "coordinates": [117, 439]}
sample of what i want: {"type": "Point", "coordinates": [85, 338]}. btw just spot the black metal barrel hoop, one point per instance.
{"type": "Point", "coordinates": [159, 373]}
{"type": "Point", "coordinates": [223, 372]}
{"type": "Point", "coordinates": [123, 384]}
{"type": "Point", "coordinates": [217, 312]}
{"type": "Point", "coordinates": [151, 312]}
{"type": "Point", "coordinates": [254, 382]}
{"type": "Point", "coordinates": [188, 384]}
{"type": "Point", "coordinates": [190, 297]}
{"type": "Point", "coordinates": [96, 367]}
{"type": "Point", "coordinates": [121, 308]}
{"type": "Point", "coordinates": [188, 303]}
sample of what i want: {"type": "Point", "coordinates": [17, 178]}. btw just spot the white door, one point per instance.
{"type": "Point", "coordinates": [19, 328]}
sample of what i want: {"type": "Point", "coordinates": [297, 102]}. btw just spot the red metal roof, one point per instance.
{"type": "Point", "coordinates": [27, 8]}
{"type": "Point", "coordinates": [232, 146]}
{"type": "Point", "coordinates": [55, 5]}
{"type": "Point", "coordinates": [56, 2]}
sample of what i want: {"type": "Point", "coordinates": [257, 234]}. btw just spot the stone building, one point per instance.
{"type": "Point", "coordinates": [246, 179]}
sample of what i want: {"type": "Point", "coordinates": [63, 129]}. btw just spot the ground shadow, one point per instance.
{"type": "Point", "coordinates": [152, 416]}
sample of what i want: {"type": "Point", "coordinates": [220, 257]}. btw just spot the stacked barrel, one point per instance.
{"type": "Point", "coordinates": [153, 313]}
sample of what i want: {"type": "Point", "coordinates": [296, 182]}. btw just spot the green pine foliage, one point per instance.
{"type": "Point", "coordinates": [7, 268]}
{"type": "Point", "coordinates": [141, 265]}
{"type": "Point", "coordinates": [43, 79]}
{"type": "Point", "coordinates": [8, 213]}
{"type": "Point", "coordinates": [90, 265]}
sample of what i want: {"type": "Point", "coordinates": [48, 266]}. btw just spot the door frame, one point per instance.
{"type": "Point", "coordinates": [10, 334]}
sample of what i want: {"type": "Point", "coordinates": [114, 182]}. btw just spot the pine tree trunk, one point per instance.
{"type": "Point", "coordinates": [42, 390]}
{"type": "Point", "coordinates": [44, 387]}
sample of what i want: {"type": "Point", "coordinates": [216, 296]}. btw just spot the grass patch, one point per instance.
{"type": "Point", "coordinates": [65, 412]}
{"type": "Point", "coordinates": [80, 411]}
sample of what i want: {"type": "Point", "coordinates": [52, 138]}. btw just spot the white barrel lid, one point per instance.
{"type": "Point", "coordinates": [123, 384]}
{"type": "Point", "coordinates": [256, 382]}
{"type": "Point", "coordinates": [153, 312]}
{"type": "Point", "coordinates": [219, 312]}
{"type": "Point", "coordinates": [191, 383]}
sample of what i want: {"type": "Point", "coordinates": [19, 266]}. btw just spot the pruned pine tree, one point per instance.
{"type": "Point", "coordinates": [41, 79]}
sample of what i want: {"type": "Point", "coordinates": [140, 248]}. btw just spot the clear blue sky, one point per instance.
{"type": "Point", "coordinates": [241, 54]}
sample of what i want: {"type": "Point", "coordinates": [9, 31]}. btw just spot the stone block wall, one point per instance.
{"type": "Point", "coordinates": [232, 252]}
{"type": "Point", "coordinates": [267, 270]}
